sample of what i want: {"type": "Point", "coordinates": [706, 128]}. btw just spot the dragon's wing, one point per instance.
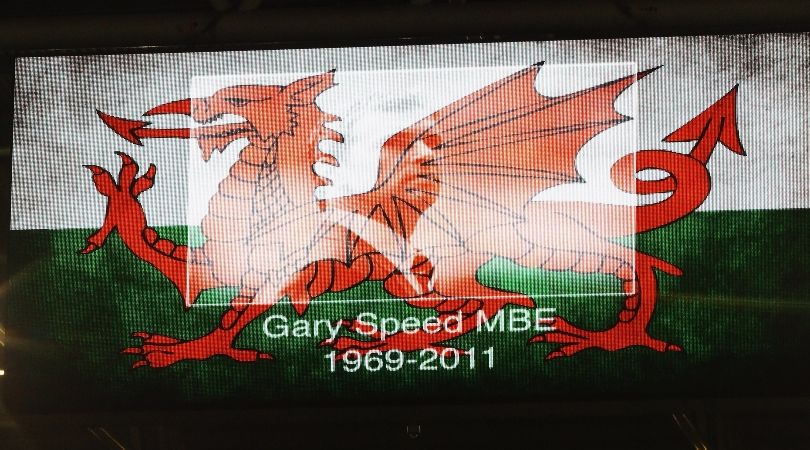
{"type": "Point", "coordinates": [468, 170]}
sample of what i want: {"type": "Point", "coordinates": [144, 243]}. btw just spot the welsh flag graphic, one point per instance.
{"type": "Point", "coordinates": [626, 219]}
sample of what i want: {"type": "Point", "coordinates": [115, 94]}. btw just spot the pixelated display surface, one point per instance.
{"type": "Point", "coordinates": [612, 219]}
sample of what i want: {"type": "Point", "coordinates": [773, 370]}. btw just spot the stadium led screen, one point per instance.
{"type": "Point", "coordinates": [598, 219]}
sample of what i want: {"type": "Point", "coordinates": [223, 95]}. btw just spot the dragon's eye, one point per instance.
{"type": "Point", "coordinates": [237, 101]}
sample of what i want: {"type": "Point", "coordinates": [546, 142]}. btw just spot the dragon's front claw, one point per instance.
{"type": "Point", "coordinates": [128, 185]}
{"type": "Point", "coordinates": [96, 240]}
{"type": "Point", "coordinates": [102, 180]}
{"type": "Point", "coordinates": [620, 336]}
{"type": "Point", "coordinates": [89, 248]}
{"type": "Point", "coordinates": [123, 206]}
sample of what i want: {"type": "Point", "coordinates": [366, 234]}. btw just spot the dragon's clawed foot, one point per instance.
{"type": "Point", "coordinates": [160, 351]}
{"type": "Point", "coordinates": [123, 207]}
{"type": "Point", "coordinates": [620, 336]}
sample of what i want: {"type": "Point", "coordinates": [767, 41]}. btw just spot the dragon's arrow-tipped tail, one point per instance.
{"type": "Point", "coordinates": [717, 124]}
{"type": "Point", "coordinates": [689, 181]}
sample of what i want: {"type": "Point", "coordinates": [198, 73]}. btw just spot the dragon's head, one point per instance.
{"type": "Point", "coordinates": [266, 112]}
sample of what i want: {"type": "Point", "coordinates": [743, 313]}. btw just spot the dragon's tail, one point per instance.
{"type": "Point", "coordinates": [688, 184]}
{"type": "Point", "coordinates": [688, 181]}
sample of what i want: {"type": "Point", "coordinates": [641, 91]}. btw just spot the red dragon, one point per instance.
{"type": "Point", "coordinates": [453, 191]}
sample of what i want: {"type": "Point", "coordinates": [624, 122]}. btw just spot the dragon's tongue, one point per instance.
{"type": "Point", "coordinates": [176, 107]}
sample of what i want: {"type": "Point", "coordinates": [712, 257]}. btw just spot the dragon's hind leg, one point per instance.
{"type": "Point", "coordinates": [640, 286]}
{"type": "Point", "coordinates": [158, 350]}
{"type": "Point", "coordinates": [187, 269]}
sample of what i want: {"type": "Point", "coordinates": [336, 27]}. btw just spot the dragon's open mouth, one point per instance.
{"type": "Point", "coordinates": [219, 136]}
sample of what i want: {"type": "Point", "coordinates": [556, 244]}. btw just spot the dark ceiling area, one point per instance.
{"type": "Point", "coordinates": [40, 25]}
{"type": "Point", "coordinates": [47, 27]}
{"type": "Point", "coordinates": [72, 8]}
